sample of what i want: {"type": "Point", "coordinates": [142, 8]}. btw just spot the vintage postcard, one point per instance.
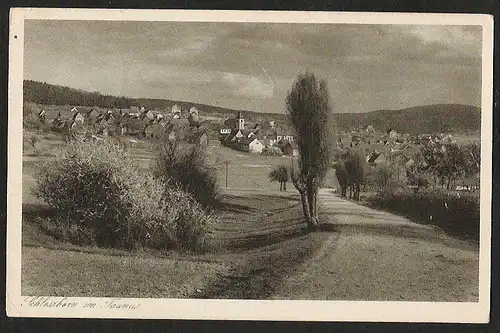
{"type": "Point", "coordinates": [246, 165]}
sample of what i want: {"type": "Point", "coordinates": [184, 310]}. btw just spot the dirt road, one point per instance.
{"type": "Point", "coordinates": [385, 257]}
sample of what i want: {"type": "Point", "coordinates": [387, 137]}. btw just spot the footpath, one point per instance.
{"type": "Point", "coordinates": [379, 256]}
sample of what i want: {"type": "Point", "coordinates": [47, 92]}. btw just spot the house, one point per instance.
{"type": "Point", "coordinates": [356, 140]}
{"type": "Point", "coordinates": [110, 119]}
{"type": "Point", "coordinates": [369, 129]}
{"type": "Point", "coordinates": [194, 110]}
{"type": "Point", "coordinates": [147, 116]}
{"type": "Point", "coordinates": [101, 123]}
{"type": "Point", "coordinates": [268, 137]}
{"type": "Point", "coordinates": [247, 133]}
{"type": "Point", "coordinates": [392, 134]}
{"type": "Point", "coordinates": [242, 134]}
{"type": "Point", "coordinates": [78, 117]}
{"type": "Point", "coordinates": [194, 119]}
{"type": "Point", "coordinates": [252, 145]}
{"type": "Point", "coordinates": [176, 111]}
{"type": "Point", "coordinates": [41, 116]}
{"type": "Point", "coordinates": [224, 131]}
{"type": "Point", "coordinates": [162, 122]}
{"type": "Point", "coordinates": [74, 110]}
{"type": "Point", "coordinates": [57, 121]}
{"type": "Point", "coordinates": [256, 128]}
{"type": "Point", "coordinates": [92, 115]}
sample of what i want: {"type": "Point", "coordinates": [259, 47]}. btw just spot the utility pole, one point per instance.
{"type": "Point", "coordinates": [226, 172]}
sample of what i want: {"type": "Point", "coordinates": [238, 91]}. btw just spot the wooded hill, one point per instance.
{"type": "Point", "coordinates": [453, 118]}
{"type": "Point", "coordinates": [442, 118]}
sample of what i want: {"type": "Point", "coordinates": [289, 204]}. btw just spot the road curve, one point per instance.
{"type": "Point", "coordinates": [379, 256]}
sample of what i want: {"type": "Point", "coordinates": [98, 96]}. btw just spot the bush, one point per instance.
{"type": "Point", "coordinates": [71, 233]}
{"type": "Point", "coordinates": [280, 174]}
{"type": "Point", "coordinates": [96, 186]}
{"type": "Point", "coordinates": [381, 177]}
{"type": "Point", "coordinates": [188, 167]}
{"type": "Point", "coordinates": [31, 121]}
{"type": "Point", "coordinates": [452, 213]}
{"type": "Point", "coordinates": [272, 151]}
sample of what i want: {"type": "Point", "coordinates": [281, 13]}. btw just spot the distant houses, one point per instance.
{"type": "Point", "coordinates": [251, 145]}
{"type": "Point", "coordinates": [235, 134]}
{"type": "Point", "coordinates": [135, 121]}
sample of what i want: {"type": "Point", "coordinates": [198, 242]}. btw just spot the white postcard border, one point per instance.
{"type": "Point", "coordinates": [18, 306]}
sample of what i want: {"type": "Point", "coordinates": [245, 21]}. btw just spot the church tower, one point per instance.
{"type": "Point", "coordinates": [241, 121]}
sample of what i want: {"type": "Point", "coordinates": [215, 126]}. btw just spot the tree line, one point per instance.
{"type": "Point", "coordinates": [44, 93]}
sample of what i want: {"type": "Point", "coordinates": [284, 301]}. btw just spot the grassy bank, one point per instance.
{"type": "Point", "coordinates": [456, 214]}
{"type": "Point", "coordinates": [258, 241]}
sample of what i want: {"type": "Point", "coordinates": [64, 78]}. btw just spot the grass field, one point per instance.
{"type": "Point", "coordinates": [259, 240]}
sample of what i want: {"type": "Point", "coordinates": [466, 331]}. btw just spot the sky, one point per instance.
{"type": "Point", "coordinates": [251, 66]}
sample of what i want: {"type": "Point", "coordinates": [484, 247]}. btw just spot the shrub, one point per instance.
{"type": "Point", "coordinates": [96, 187]}
{"type": "Point", "coordinates": [381, 177]}
{"type": "Point", "coordinates": [71, 233]}
{"type": "Point", "coordinates": [280, 174]}
{"type": "Point", "coordinates": [453, 213]}
{"type": "Point", "coordinates": [31, 121]}
{"type": "Point", "coordinates": [272, 151]}
{"type": "Point", "coordinates": [188, 167]}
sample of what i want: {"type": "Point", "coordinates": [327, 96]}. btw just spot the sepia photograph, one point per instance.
{"type": "Point", "coordinates": [185, 164]}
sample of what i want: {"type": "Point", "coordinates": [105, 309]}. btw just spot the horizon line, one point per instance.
{"type": "Point", "coordinates": [232, 109]}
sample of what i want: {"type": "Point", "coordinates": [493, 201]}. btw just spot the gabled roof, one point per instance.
{"type": "Point", "coordinates": [247, 131]}
{"type": "Point", "coordinates": [76, 115]}
{"type": "Point", "coordinates": [247, 141]}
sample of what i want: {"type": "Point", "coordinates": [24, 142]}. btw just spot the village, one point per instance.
{"type": "Point", "coordinates": [237, 133]}
{"type": "Point", "coordinates": [194, 128]}
{"type": "Point", "coordinates": [267, 138]}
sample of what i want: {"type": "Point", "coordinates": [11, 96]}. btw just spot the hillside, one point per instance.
{"type": "Point", "coordinates": [446, 118]}
{"type": "Point", "coordinates": [48, 94]}
{"type": "Point", "coordinates": [455, 118]}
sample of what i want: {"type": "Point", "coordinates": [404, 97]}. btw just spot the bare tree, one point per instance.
{"type": "Point", "coordinates": [309, 107]}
